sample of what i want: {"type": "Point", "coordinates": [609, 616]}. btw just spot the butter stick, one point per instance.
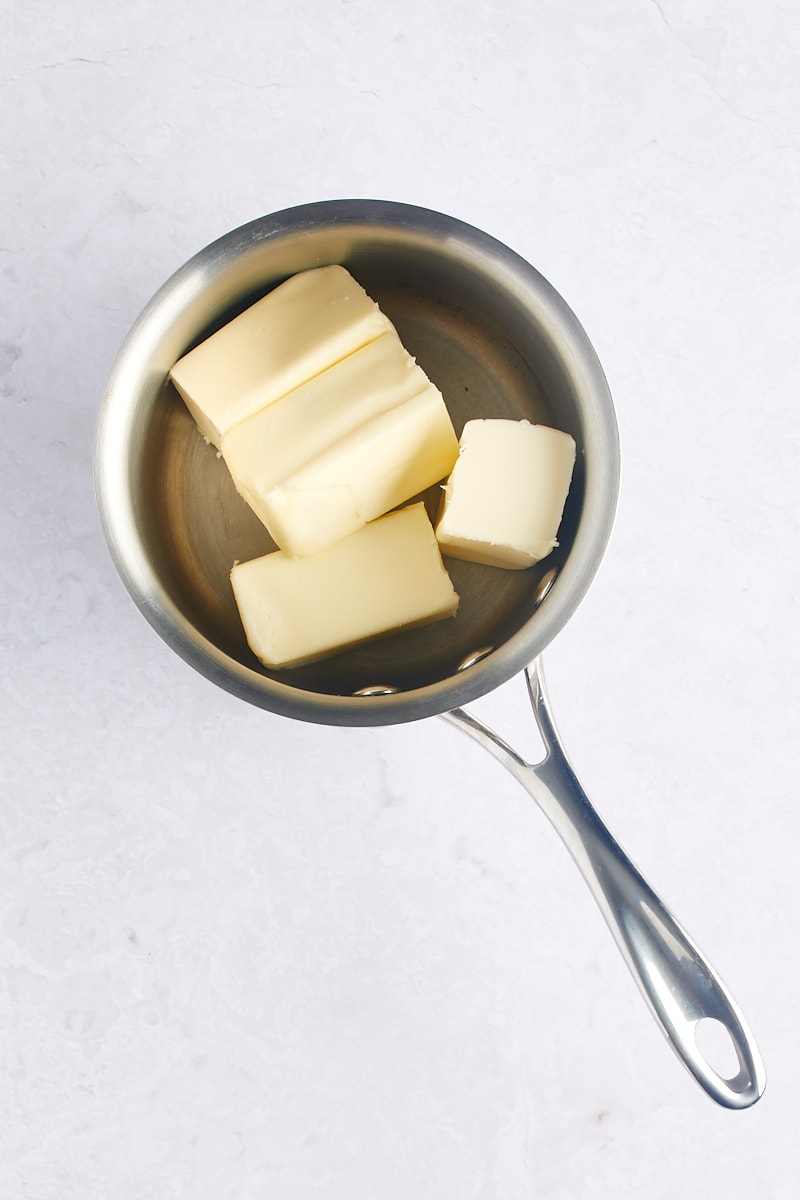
{"type": "Point", "coordinates": [387, 576]}
{"type": "Point", "coordinates": [503, 503]}
{"type": "Point", "coordinates": [302, 327]}
{"type": "Point", "coordinates": [383, 463]}
{"type": "Point", "coordinates": [268, 448]}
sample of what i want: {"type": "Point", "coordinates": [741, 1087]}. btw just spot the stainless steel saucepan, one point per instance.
{"type": "Point", "coordinates": [498, 341]}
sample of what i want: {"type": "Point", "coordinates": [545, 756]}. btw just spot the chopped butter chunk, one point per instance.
{"type": "Point", "coordinates": [387, 576]}
{"type": "Point", "coordinates": [386, 461]}
{"type": "Point", "coordinates": [302, 327]}
{"type": "Point", "coordinates": [266, 450]}
{"type": "Point", "coordinates": [503, 503]}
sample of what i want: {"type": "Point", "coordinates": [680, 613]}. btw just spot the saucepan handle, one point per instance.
{"type": "Point", "coordinates": [678, 984]}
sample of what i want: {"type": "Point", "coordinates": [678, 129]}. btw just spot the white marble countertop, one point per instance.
{"type": "Point", "coordinates": [245, 957]}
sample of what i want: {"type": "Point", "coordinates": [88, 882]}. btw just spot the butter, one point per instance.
{"type": "Point", "coordinates": [503, 503]}
{"type": "Point", "coordinates": [386, 461]}
{"type": "Point", "coordinates": [302, 327]}
{"type": "Point", "coordinates": [267, 449]}
{"type": "Point", "coordinates": [387, 576]}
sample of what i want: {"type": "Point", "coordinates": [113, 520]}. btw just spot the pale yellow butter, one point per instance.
{"type": "Point", "coordinates": [386, 461]}
{"type": "Point", "coordinates": [387, 576]}
{"type": "Point", "coordinates": [503, 503]}
{"type": "Point", "coordinates": [268, 448]}
{"type": "Point", "coordinates": [302, 327]}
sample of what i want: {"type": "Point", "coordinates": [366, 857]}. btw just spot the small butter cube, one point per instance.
{"type": "Point", "coordinates": [503, 503]}
{"type": "Point", "coordinates": [300, 328]}
{"type": "Point", "coordinates": [268, 448]}
{"type": "Point", "coordinates": [383, 463]}
{"type": "Point", "coordinates": [387, 576]}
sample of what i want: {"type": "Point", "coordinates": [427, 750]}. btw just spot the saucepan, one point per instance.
{"type": "Point", "coordinates": [498, 341]}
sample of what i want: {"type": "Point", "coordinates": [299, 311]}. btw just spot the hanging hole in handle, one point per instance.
{"type": "Point", "coordinates": [714, 1041]}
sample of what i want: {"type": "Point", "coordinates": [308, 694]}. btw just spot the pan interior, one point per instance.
{"type": "Point", "coordinates": [488, 358]}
